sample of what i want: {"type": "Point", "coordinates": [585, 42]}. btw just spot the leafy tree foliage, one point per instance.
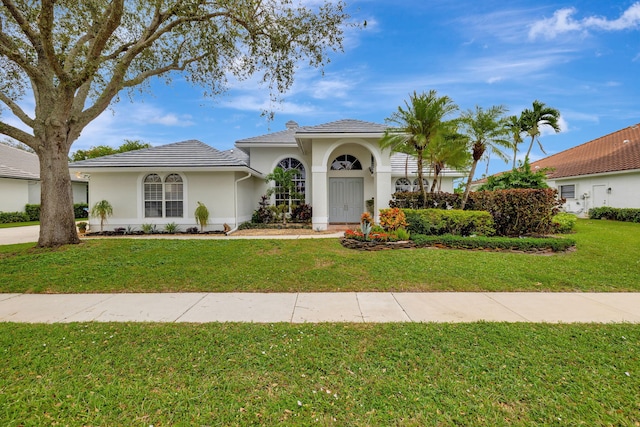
{"type": "Point", "coordinates": [105, 150]}
{"type": "Point", "coordinates": [521, 177]}
{"type": "Point", "coordinates": [73, 58]}
{"type": "Point", "coordinates": [534, 119]}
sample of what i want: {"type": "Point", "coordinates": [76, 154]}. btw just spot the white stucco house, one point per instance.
{"type": "Point", "coordinates": [340, 167]}
{"type": "Point", "coordinates": [20, 180]}
{"type": "Point", "coordinates": [602, 172]}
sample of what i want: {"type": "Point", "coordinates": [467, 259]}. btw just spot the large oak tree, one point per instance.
{"type": "Point", "coordinates": [75, 57]}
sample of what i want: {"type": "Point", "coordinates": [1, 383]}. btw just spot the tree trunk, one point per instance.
{"type": "Point", "coordinates": [57, 219]}
{"type": "Point", "coordinates": [469, 181]}
{"type": "Point", "coordinates": [420, 180]}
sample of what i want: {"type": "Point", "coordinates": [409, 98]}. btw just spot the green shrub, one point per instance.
{"type": "Point", "coordinates": [564, 222]}
{"type": "Point", "coordinates": [529, 244]}
{"type": "Point", "coordinates": [616, 214]}
{"type": "Point", "coordinates": [33, 212]}
{"type": "Point", "coordinates": [9, 217]}
{"type": "Point", "coordinates": [521, 177]}
{"type": "Point", "coordinates": [414, 200]}
{"type": "Point", "coordinates": [453, 221]}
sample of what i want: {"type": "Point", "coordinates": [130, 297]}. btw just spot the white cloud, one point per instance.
{"type": "Point", "coordinates": [562, 22]}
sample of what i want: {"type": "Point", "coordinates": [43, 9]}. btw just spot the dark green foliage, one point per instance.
{"type": "Point", "coordinates": [9, 217]}
{"type": "Point", "coordinates": [521, 177]}
{"type": "Point", "coordinates": [515, 212]}
{"type": "Point", "coordinates": [616, 214]}
{"type": "Point", "coordinates": [33, 212]}
{"type": "Point", "coordinates": [454, 221]}
{"type": "Point", "coordinates": [497, 243]}
{"type": "Point", "coordinates": [80, 210]}
{"type": "Point", "coordinates": [564, 222]}
{"type": "Point", "coordinates": [518, 212]}
{"type": "Point", "coordinates": [415, 200]}
{"type": "Point", "coordinates": [301, 213]}
{"type": "Point", "coordinates": [263, 215]}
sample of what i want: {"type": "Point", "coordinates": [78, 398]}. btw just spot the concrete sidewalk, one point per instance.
{"type": "Point", "coordinates": [323, 307]}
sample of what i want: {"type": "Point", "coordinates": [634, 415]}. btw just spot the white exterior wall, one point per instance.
{"type": "Point", "coordinates": [593, 191]}
{"type": "Point", "coordinates": [14, 194]}
{"type": "Point", "coordinates": [265, 160]}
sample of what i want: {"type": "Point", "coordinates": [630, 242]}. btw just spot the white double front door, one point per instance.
{"type": "Point", "coordinates": [346, 200]}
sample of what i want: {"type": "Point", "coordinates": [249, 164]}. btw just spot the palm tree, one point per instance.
{"type": "Point", "coordinates": [449, 149]}
{"type": "Point", "coordinates": [536, 118]}
{"type": "Point", "coordinates": [486, 131]}
{"type": "Point", "coordinates": [514, 125]}
{"type": "Point", "coordinates": [202, 215]}
{"type": "Point", "coordinates": [416, 125]}
{"type": "Point", "coordinates": [102, 210]}
{"type": "Point", "coordinates": [285, 186]}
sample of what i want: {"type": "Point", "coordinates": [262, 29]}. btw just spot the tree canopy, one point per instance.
{"type": "Point", "coordinates": [73, 58]}
{"type": "Point", "coordinates": [105, 150]}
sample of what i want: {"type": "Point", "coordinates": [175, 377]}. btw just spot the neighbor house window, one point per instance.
{"type": "Point", "coordinates": [416, 184]}
{"type": "Point", "coordinates": [299, 180]}
{"type": "Point", "coordinates": [163, 199]}
{"type": "Point", "coordinates": [568, 191]}
{"type": "Point", "coordinates": [403, 184]}
{"type": "Point", "coordinates": [346, 162]}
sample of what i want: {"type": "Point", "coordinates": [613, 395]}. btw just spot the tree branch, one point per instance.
{"type": "Point", "coordinates": [45, 23]}
{"type": "Point", "coordinates": [33, 37]}
{"type": "Point", "coordinates": [18, 135]}
{"type": "Point", "coordinates": [8, 49]}
{"type": "Point", "coordinates": [16, 110]}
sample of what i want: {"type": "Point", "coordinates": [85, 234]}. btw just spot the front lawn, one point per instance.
{"type": "Point", "coordinates": [607, 259]}
{"type": "Point", "coordinates": [482, 374]}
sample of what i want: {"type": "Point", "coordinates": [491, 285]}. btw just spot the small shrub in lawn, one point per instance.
{"type": "Point", "coordinates": [564, 222]}
{"type": "Point", "coordinates": [616, 214]}
{"type": "Point", "coordinates": [149, 228]}
{"type": "Point", "coordinates": [171, 228]}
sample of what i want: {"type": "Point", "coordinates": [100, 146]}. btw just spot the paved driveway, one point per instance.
{"type": "Point", "coordinates": [9, 236]}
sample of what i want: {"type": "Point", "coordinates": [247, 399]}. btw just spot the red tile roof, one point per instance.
{"type": "Point", "coordinates": [618, 151]}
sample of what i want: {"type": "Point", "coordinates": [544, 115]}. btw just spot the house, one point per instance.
{"type": "Point", "coordinates": [602, 172]}
{"type": "Point", "coordinates": [340, 167]}
{"type": "Point", "coordinates": [20, 180]}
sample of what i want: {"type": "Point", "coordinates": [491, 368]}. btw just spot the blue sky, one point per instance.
{"type": "Point", "coordinates": [580, 57]}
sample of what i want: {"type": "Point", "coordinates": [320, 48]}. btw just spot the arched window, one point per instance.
{"type": "Point", "coordinates": [416, 184]}
{"type": "Point", "coordinates": [163, 200]}
{"type": "Point", "coordinates": [346, 162]}
{"type": "Point", "coordinates": [173, 196]}
{"type": "Point", "coordinates": [299, 180]}
{"type": "Point", "coordinates": [403, 184]}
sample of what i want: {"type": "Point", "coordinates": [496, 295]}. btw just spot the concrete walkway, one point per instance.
{"type": "Point", "coordinates": [323, 307]}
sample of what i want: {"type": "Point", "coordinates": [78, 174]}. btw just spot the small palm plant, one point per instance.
{"type": "Point", "coordinates": [202, 215]}
{"type": "Point", "coordinates": [102, 210]}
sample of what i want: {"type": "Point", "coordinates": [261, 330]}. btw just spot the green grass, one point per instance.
{"type": "Point", "coordinates": [19, 224]}
{"type": "Point", "coordinates": [330, 374]}
{"type": "Point", "coordinates": [607, 259]}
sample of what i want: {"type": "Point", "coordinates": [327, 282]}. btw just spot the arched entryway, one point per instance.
{"type": "Point", "coordinates": [349, 175]}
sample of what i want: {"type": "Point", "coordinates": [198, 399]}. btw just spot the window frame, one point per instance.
{"type": "Point", "coordinates": [163, 196]}
{"type": "Point", "coordinates": [564, 188]}
{"type": "Point", "coordinates": [300, 181]}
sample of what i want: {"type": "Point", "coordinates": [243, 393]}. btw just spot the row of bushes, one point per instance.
{"type": "Point", "coordinates": [32, 213]}
{"type": "Point", "coordinates": [80, 210]}
{"type": "Point", "coordinates": [495, 243]}
{"type": "Point", "coordinates": [616, 214]}
{"type": "Point", "coordinates": [457, 222]}
{"type": "Point", "coordinates": [515, 212]}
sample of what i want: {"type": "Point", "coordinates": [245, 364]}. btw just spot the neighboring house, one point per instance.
{"type": "Point", "coordinates": [340, 167]}
{"type": "Point", "coordinates": [20, 180]}
{"type": "Point", "coordinates": [602, 172]}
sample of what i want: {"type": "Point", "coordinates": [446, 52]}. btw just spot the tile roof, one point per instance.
{"type": "Point", "coordinates": [618, 151]}
{"type": "Point", "coordinates": [190, 153]}
{"type": "Point", "coordinates": [345, 126]}
{"type": "Point", "coordinates": [20, 164]}
{"type": "Point", "coordinates": [403, 163]}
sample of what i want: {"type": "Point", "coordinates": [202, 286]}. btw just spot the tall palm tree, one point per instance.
{"type": "Point", "coordinates": [449, 149]}
{"type": "Point", "coordinates": [537, 117]}
{"type": "Point", "coordinates": [514, 125]}
{"type": "Point", "coordinates": [487, 134]}
{"type": "Point", "coordinates": [416, 124]}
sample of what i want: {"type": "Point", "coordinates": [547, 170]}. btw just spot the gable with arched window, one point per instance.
{"type": "Point", "coordinates": [163, 198]}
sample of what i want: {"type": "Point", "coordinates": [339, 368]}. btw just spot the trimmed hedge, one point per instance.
{"type": "Point", "coordinates": [9, 217]}
{"type": "Point", "coordinates": [414, 200]}
{"type": "Point", "coordinates": [454, 221]}
{"type": "Point", "coordinates": [80, 210]}
{"type": "Point", "coordinates": [616, 214]}
{"type": "Point", "coordinates": [528, 244]}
